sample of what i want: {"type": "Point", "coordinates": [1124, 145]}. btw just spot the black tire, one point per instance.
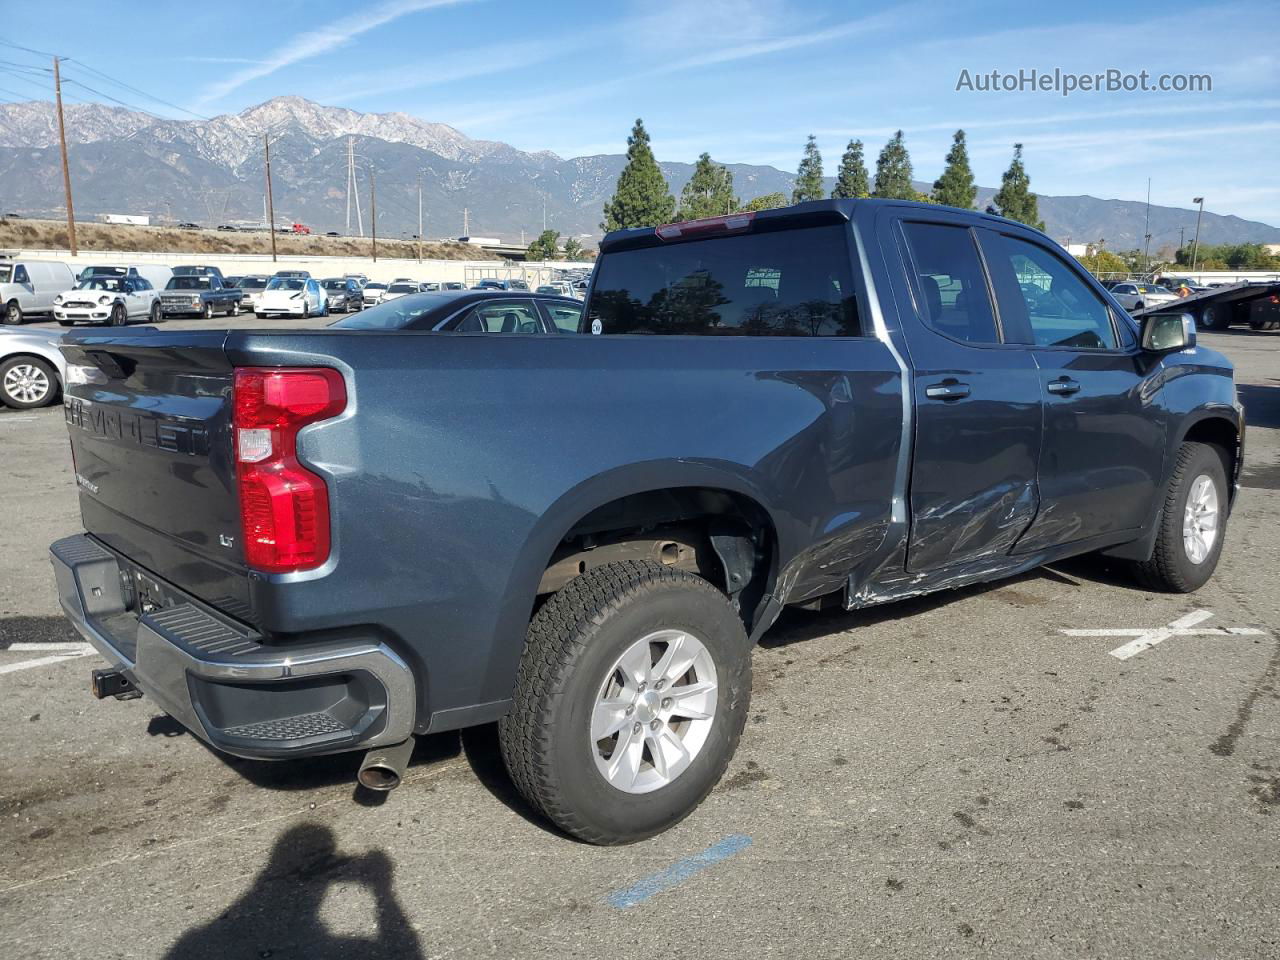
{"type": "Point", "coordinates": [207, 310]}
{"type": "Point", "coordinates": [1170, 569]}
{"type": "Point", "coordinates": [51, 379]}
{"type": "Point", "coordinates": [234, 309]}
{"type": "Point", "coordinates": [155, 315]}
{"type": "Point", "coordinates": [66, 323]}
{"type": "Point", "coordinates": [13, 313]}
{"type": "Point", "coordinates": [1212, 318]}
{"type": "Point", "coordinates": [119, 316]}
{"type": "Point", "coordinates": [571, 643]}
{"type": "Point", "coordinates": [1137, 307]}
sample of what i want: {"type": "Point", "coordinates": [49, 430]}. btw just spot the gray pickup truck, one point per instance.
{"type": "Point", "coordinates": [306, 542]}
{"type": "Point", "coordinates": [200, 295]}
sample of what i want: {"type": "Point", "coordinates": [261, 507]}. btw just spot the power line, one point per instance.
{"type": "Point", "coordinates": [133, 89]}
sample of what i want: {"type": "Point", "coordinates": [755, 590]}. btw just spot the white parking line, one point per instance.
{"type": "Point", "coordinates": [66, 646]}
{"type": "Point", "coordinates": [44, 661]}
{"type": "Point", "coordinates": [1147, 637]}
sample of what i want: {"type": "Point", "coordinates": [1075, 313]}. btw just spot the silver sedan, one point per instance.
{"type": "Point", "coordinates": [1139, 296]}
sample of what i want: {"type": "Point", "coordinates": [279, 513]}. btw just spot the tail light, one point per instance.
{"type": "Point", "coordinates": [284, 507]}
{"type": "Point", "coordinates": [689, 228]}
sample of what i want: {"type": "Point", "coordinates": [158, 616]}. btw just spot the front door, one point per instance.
{"type": "Point", "coordinates": [977, 404]}
{"type": "Point", "coordinates": [1103, 450]}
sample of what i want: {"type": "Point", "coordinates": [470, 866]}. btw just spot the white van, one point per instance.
{"type": "Point", "coordinates": [158, 274]}
{"type": "Point", "coordinates": [29, 286]}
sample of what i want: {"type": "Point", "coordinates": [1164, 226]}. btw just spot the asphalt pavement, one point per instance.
{"type": "Point", "coordinates": [947, 776]}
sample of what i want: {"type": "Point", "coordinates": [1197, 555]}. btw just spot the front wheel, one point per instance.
{"type": "Point", "coordinates": [207, 310]}
{"type": "Point", "coordinates": [156, 314]}
{"type": "Point", "coordinates": [1192, 521]}
{"type": "Point", "coordinates": [630, 699]}
{"type": "Point", "coordinates": [119, 316]}
{"type": "Point", "coordinates": [234, 309]}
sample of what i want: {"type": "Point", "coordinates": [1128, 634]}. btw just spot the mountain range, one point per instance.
{"type": "Point", "coordinates": [212, 172]}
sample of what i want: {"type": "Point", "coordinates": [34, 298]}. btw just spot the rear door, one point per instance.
{"type": "Point", "coordinates": [151, 442]}
{"type": "Point", "coordinates": [977, 402]}
{"type": "Point", "coordinates": [1104, 445]}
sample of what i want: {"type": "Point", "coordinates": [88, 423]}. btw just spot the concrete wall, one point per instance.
{"type": "Point", "coordinates": [467, 271]}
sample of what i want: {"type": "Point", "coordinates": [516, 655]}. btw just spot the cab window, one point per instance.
{"type": "Point", "coordinates": [1060, 308]}
{"type": "Point", "coordinates": [951, 284]}
{"type": "Point", "coordinates": [565, 316]}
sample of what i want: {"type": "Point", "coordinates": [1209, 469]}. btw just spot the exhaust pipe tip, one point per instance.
{"type": "Point", "coordinates": [383, 769]}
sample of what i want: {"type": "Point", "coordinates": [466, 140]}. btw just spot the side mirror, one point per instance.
{"type": "Point", "coordinates": [1168, 332]}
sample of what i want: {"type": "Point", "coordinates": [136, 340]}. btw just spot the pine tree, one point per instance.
{"type": "Point", "coordinates": [544, 248]}
{"type": "Point", "coordinates": [572, 249]}
{"type": "Point", "coordinates": [809, 175]}
{"type": "Point", "coordinates": [768, 201]}
{"type": "Point", "coordinates": [955, 188]}
{"type": "Point", "coordinates": [709, 192]}
{"type": "Point", "coordinates": [1014, 199]}
{"type": "Point", "coordinates": [641, 198]}
{"type": "Point", "coordinates": [852, 181]}
{"type": "Point", "coordinates": [893, 171]}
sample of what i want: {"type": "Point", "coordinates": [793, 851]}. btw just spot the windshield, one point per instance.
{"type": "Point", "coordinates": [286, 283]}
{"type": "Point", "coordinates": [188, 282]}
{"type": "Point", "coordinates": [112, 284]}
{"type": "Point", "coordinates": [791, 283]}
{"type": "Point", "coordinates": [105, 272]}
{"type": "Point", "coordinates": [397, 314]}
{"type": "Point", "coordinates": [403, 288]}
{"type": "Point", "coordinates": [253, 283]}
{"type": "Point", "coordinates": [335, 284]}
{"type": "Point", "coordinates": [376, 286]}
{"type": "Point", "coordinates": [6, 272]}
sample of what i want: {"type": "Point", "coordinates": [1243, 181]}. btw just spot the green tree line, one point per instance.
{"type": "Point", "coordinates": [642, 197]}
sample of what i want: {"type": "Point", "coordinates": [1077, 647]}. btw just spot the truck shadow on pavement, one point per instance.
{"type": "Point", "coordinates": [280, 915]}
{"type": "Point", "coordinates": [1261, 405]}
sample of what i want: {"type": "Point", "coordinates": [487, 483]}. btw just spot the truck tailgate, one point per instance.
{"type": "Point", "coordinates": [151, 438]}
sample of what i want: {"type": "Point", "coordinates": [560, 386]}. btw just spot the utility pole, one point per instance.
{"type": "Point", "coordinates": [66, 170]}
{"type": "Point", "coordinates": [419, 216]}
{"type": "Point", "coordinates": [1146, 226]}
{"type": "Point", "coordinates": [1182, 238]}
{"type": "Point", "coordinates": [1195, 247]}
{"type": "Point", "coordinates": [373, 212]}
{"type": "Point", "coordinates": [350, 178]}
{"type": "Point", "coordinates": [271, 206]}
{"type": "Point", "coordinates": [466, 222]}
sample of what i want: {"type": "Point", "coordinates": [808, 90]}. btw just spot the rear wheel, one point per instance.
{"type": "Point", "coordinates": [13, 312]}
{"type": "Point", "coordinates": [27, 383]}
{"type": "Point", "coordinates": [1212, 318]}
{"type": "Point", "coordinates": [631, 697]}
{"type": "Point", "coordinates": [1192, 523]}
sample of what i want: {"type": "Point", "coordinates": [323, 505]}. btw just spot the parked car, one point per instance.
{"type": "Point", "coordinates": [232, 281]}
{"type": "Point", "coordinates": [1137, 296]}
{"type": "Point", "coordinates": [558, 288]}
{"type": "Point", "coordinates": [428, 286]}
{"type": "Point", "coordinates": [360, 279]}
{"type": "Point", "coordinates": [359, 536]}
{"type": "Point", "coordinates": [200, 294]}
{"type": "Point", "coordinates": [399, 288]}
{"type": "Point", "coordinates": [200, 270]}
{"type": "Point", "coordinates": [156, 274]}
{"type": "Point", "coordinates": [108, 300]}
{"type": "Point", "coordinates": [453, 285]}
{"type": "Point", "coordinates": [372, 293]}
{"type": "Point", "coordinates": [251, 288]}
{"type": "Point", "coordinates": [491, 284]}
{"type": "Point", "coordinates": [32, 368]}
{"type": "Point", "coordinates": [189, 226]}
{"type": "Point", "coordinates": [342, 294]}
{"type": "Point", "coordinates": [29, 286]}
{"type": "Point", "coordinates": [305, 275]}
{"type": "Point", "coordinates": [470, 311]}
{"type": "Point", "coordinates": [291, 297]}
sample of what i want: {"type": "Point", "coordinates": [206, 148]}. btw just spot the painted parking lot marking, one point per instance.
{"type": "Point", "coordinates": [57, 653]}
{"type": "Point", "coordinates": [1144, 638]}
{"type": "Point", "coordinates": [678, 872]}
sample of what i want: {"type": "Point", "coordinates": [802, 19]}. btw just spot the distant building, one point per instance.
{"type": "Point", "coordinates": [1077, 249]}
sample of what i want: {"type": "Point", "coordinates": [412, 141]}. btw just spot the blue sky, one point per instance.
{"type": "Point", "coordinates": [746, 80]}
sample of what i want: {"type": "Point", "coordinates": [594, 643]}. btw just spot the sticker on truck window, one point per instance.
{"type": "Point", "coordinates": [597, 327]}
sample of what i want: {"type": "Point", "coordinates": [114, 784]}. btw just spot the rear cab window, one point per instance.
{"type": "Point", "coordinates": [789, 282]}
{"type": "Point", "coordinates": [949, 282]}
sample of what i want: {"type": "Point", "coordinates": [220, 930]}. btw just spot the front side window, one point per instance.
{"type": "Point", "coordinates": [951, 282]}
{"type": "Point", "coordinates": [1060, 308]}
{"type": "Point", "coordinates": [503, 316]}
{"type": "Point", "coordinates": [789, 283]}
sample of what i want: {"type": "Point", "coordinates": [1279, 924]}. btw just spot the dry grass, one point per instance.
{"type": "Point", "coordinates": [52, 235]}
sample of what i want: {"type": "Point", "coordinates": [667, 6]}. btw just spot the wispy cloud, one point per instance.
{"type": "Point", "coordinates": [314, 43]}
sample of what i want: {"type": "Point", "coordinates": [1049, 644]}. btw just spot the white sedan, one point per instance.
{"type": "Point", "coordinates": [291, 297]}
{"type": "Point", "coordinates": [1136, 296]}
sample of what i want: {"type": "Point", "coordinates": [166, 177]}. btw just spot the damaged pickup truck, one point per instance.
{"type": "Point", "coordinates": [306, 542]}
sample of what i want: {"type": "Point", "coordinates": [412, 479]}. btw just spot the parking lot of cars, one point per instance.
{"type": "Point", "coordinates": [1057, 765]}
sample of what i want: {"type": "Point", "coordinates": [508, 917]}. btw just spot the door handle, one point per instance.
{"type": "Point", "coordinates": [947, 390]}
{"type": "Point", "coordinates": [1064, 386]}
